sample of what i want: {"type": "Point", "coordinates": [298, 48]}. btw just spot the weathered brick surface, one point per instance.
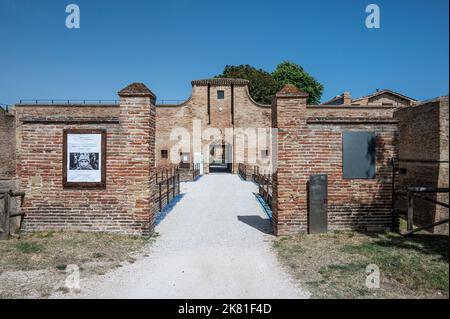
{"type": "Point", "coordinates": [7, 145]}
{"type": "Point", "coordinates": [126, 204]}
{"type": "Point", "coordinates": [310, 142]}
{"type": "Point", "coordinates": [247, 114]}
{"type": "Point", "coordinates": [424, 157]}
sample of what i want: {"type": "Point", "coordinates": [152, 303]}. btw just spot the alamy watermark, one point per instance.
{"type": "Point", "coordinates": [72, 282]}
{"type": "Point", "coordinates": [73, 19]}
{"type": "Point", "coordinates": [373, 276]}
{"type": "Point", "coordinates": [373, 20]}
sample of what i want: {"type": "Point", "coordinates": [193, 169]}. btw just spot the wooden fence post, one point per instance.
{"type": "Point", "coordinates": [410, 199]}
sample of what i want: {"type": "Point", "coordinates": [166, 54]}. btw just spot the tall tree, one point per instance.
{"type": "Point", "coordinates": [289, 72]}
{"type": "Point", "coordinates": [262, 85]}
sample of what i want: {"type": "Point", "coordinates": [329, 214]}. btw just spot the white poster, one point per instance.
{"type": "Point", "coordinates": [84, 158]}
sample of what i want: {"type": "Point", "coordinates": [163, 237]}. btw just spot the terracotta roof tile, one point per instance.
{"type": "Point", "coordinates": [137, 89]}
{"type": "Point", "coordinates": [291, 90]}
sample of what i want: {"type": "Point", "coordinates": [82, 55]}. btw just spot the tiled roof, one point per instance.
{"type": "Point", "coordinates": [137, 89]}
{"type": "Point", "coordinates": [383, 92]}
{"type": "Point", "coordinates": [221, 81]}
{"type": "Point", "coordinates": [291, 90]}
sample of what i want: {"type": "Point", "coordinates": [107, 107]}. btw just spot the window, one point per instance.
{"type": "Point", "coordinates": [164, 154]}
{"type": "Point", "coordinates": [264, 153]}
{"type": "Point", "coordinates": [359, 155]}
{"type": "Point", "coordinates": [220, 95]}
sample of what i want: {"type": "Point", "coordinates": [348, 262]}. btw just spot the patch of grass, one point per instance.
{"type": "Point", "coordinates": [61, 267]}
{"type": "Point", "coordinates": [50, 252]}
{"type": "Point", "coordinates": [28, 247]}
{"type": "Point", "coordinates": [334, 265]}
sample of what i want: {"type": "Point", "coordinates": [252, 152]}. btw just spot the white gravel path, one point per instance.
{"type": "Point", "coordinates": [213, 244]}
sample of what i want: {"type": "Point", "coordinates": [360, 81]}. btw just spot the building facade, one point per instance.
{"type": "Point", "coordinates": [219, 127]}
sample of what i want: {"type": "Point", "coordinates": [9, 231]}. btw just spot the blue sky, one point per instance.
{"type": "Point", "coordinates": [166, 44]}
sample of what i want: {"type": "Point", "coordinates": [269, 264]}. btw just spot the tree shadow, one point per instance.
{"type": "Point", "coordinates": [262, 224]}
{"type": "Point", "coordinates": [428, 244]}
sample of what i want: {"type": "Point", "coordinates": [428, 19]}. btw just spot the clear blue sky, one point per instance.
{"type": "Point", "coordinates": [166, 44]}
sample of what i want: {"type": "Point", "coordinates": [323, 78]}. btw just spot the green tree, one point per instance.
{"type": "Point", "coordinates": [289, 72]}
{"type": "Point", "coordinates": [262, 86]}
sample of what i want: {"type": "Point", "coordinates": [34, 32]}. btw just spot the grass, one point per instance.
{"type": "Point", "coordinates": [44, 256]}
{"type": "Point", "coordinates": [334, 265]}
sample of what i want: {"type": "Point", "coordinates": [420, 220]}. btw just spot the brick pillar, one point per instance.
{"type": "Point", "coordinates": [347, 98]}
{"type": "Point", "coordinates": [289, 183]}
{"type": "Point", "coordinates": [137, 122]}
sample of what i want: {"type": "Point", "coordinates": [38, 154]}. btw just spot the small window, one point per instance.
{"type": "Point", "coordinates": [164, 154]}
{"type": "Point", "coordinates": [359, 155]}
{"type": "Point", "coordinates": [220, 95]}
{"type": "Point", "coordinates": [264, 153]}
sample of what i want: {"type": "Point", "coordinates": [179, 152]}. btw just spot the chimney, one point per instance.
{"type": "Point", "coordinates": [347, 98]}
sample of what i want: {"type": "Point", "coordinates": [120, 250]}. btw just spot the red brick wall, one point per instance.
{"type": "Point", "coordinates": [247, 114]}
{"type": "Point", "coordinates": [424, 157]}
{"type": "Point", "coordinates": [7, 145]}
{"type": "Point", "coordinates": [310, 142]}
{"type": "Point", "coordinates": [125, 205]}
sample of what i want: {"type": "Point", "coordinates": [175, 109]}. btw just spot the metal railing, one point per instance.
{"type": "Point", "coordinates": [168, 184]}
{"type": "Point", "coordinates": [4, 107]}
{"type": "Point", "coordinates": [169, 102]}
{"type": "Point", "coordinates": [67, 102]}
{"type": "Point", "coordinates": [196, 171]}
{"type": "Point", "coordinates": [263, 179]}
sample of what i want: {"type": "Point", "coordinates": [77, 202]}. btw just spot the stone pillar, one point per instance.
{"type": "Point", "coordinates": [289, 182]}
{"type": "Point", "coordinates": [137, 122]}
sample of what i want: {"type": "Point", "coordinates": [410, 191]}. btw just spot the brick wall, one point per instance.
{"type": "Point", "coordinates": [310, 142]}
{"type": "Point", "coordinates": [7, 145]}
{"type": "Point", "coordinates": [247, 114]}
{"type": "Point", "coordinates": [126, 204]}
{"type": "Point", "coordinates": [424, 157]}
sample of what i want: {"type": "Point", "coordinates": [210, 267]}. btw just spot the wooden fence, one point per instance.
{"type": "Point", "coordinates": [168, 186]}
{"type": "Point", "coordinates": [6, 214]}
{"type": "Point", "coordinates": [416, 192]}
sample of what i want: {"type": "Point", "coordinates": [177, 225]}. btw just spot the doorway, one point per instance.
{"type": "Point", "coordinates": [220, 158]}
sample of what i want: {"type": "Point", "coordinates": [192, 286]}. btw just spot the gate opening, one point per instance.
{"type": "Point", "coordinates": [220, 158]}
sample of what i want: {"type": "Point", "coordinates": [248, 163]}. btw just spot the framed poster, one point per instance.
{"type": "Point", "coordinates": [84, 158]}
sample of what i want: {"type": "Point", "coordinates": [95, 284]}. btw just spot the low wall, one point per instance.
{"type": "Point", "coordinates": [310, 142]}
{"type": "Point", "coordinates": [125, 204]}
{"type": "Point", "coordinates": [424, 157]}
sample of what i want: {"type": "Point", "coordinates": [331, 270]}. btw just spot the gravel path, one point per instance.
{"type": "Point", "coordinates": [213, 243]}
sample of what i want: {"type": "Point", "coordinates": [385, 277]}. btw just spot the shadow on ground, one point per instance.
{"type": "Point", "coordinates": [166, 210]}
{"type": "Point", "coordinates": [430, 244]}
{"type": "Point", "coordinates": [262, 224]}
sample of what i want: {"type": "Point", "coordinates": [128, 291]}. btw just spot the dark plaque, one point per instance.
{"type": "Point", "coordinates": [318, 204]}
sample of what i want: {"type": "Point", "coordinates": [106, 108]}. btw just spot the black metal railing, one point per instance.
{"type": "Point", "coordinates": [168, 186]}
{"type": "Point", "coordinates": [67, 102]}
{"type": "Point", "coordinates": [169, 102]}
{"type": "Point", "coordinates": [5, 107]}
{"type": "Point", "coordinates": [263, 179]}
{"type": "Point", "coordinates": [196, 171]}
